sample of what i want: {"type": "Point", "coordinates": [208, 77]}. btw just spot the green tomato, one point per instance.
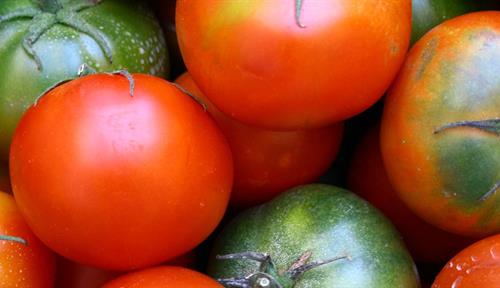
{"type": "Point", "coordinates": [46, 41]}
{"type": "Point", "coordinates": [426, 14]}
{"type": "Point", "coordinates": [312, 236]}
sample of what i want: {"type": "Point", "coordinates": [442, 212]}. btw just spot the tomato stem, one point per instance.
{"type": "Point", "coordinates": [13, 239]}
{"type": "Point", "coordinates": [298, 12]}
{"type": "Point", "coordinates": [488, 125]}
{"type": "Point", "coordinates": [50, 6]}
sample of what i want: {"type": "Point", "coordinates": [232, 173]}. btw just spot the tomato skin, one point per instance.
{"type": "Point", "coordinates": [328, 222]}
{"type": "Point", "coordinates": [299, 77]}
{"type": "Point", "coordinates": [267, 163]}
{"type": "Point", "coordinates": [368, 179]}
{"type": "Point", "coordinates": [164, 276]}
{"type": "Point", "coordinates": [476, 266]}
{"type": "Point", "coordinates": [451, 75]}
{"type": "Point", "coordinates": [106, 179]}
{"type": "Point", "coordinates": [62, 50]}
{"type": "Point", "coordinates": [23, 266]}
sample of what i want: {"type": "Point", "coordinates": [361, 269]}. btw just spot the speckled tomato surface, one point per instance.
{"type": "Point", "coordinates": [267, 163]}
{"type": "Point", "coordinates": [308, 224]}
{"type": "Point", "coordinates": [291, 65]}
{"type": "Point", "coordinates": [24, 261]}
{"type": "Point", "coordinates": [477, 266]}
{"type": "Point", "coordinates": [39, 49]}
{"type": "Point", "coordinates": [440, 131]}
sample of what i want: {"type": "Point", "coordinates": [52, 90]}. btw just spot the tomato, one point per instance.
{"type": "Point", "coordinates": [4, 178]}
{"type": "Point", "coordinates": [267, 162]}
{"type": "Point", "coordinates": [109, 35]}
{"type": "Point", "coordinates": [439, 137]}
{"type": "Point", "coordinates": [476, 266]}
{"type": "Point", "coordinates": [256, 63]}
{"type": "Point", "coordinates": [367, 178]}
{"type": "Point", "coordinates": [308, 224]}
{"type": "Point", "coordinates": [429, 13]}
{"type": "Point", "coordinates": [120, 182]}
{"type": "Point", "coordinates": [165, 276]}
{"type": "Point", "coordinates": [26, 264]}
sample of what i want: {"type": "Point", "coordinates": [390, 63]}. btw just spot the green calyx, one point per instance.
{"type": "Point", "coordinates": [490, 126]}
{"type": "Point", "coordinates": [268, 276]}
{"type": "Point", "coordinates": [13, 239]}
{"type": "Point", "coordinates": [298, 12]}
{"type": "Point", "coordinates": [52, 12]}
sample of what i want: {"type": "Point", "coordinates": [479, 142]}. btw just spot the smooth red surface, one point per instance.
{"type": "Point", "coordinates": [267, 163]}
{"type": "Point", "coordinates": [368, 178]}
{"type": "Point", "coordinates": [477, 266]}
{"type": "Point", "coordinates": [258, 66]}
{"type": "Point", "coordinates": [22, 266]}
{"type": "Point", "coordinates": [120, 182]}
{"type": "Point", "coordinates": [165, 277]}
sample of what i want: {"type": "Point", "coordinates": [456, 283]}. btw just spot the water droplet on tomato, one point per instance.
{"type": "Point", "coordinates": [459, 267]}
{"type": "Point", "coordinates": [450, 264]}
{"type": "Point", "coordinates": [474, 258]}
{"type": "Point", "coordinates": [457, 282]}
{"type": "Point", "coordinates": [495, 251]}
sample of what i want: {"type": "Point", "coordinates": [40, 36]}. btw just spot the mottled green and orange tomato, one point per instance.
{"type": "Point", "coordinates": [24, 261]}
{"type": "Point", "coordinates": [286, 64]}
{"type": "Point", "coordinates": [477, 266]}
{"type": "Point", "coordinates": [368, 179]}
{"type": "Point", "coordinates": [267, 162]}
{"type": "Point", "coordinates": [440, 132]}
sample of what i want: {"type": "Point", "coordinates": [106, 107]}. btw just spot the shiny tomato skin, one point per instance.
{"type": "Point", "coordinates": [120, 182]}
{"type": "Point", "coordinates": [477, 266]}
{"type": "Point", "coordinates": [22, 266]}
{"type": "Point", "coordinates": [267, 163]}
{"type": "Point", "coordinates": [165, 277]}
{"type": "Point", "coordinates": [447, 176]}
{"type": "Point", "coordinates": [368, 179]}
{"type": "Point", "coordinates": [258, 66]}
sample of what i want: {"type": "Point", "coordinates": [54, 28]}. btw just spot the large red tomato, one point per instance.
{"type": "Point", "coordinates": [26, 264]}
{"type": "Point", "coordinates": [286, 65]}
{"type": "Point", "coordinates": [441, 126]}
{"type": "Point", "coordinates": [367, 178]}
{"type": "Point", "coordinates": [120, 182]}
{"type": "Point", "coordinates": [267, 162]}
{"type": "Point", "coordinates": [477, 266]}
{"type": "Point", "coordinates": [165, 277]}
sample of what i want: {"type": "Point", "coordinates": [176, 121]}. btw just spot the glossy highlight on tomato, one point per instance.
{"type": "Point", "coordinates": [117, 181]}
{"type": "Point", "coordinates": [267, 163]}
{"type": "Point", "coordinates": [288, 65]}
{"type": "Point", "coordinates": [476, 266]}
{"type": "Point", "coordinates": [440, 130]}
{"type": "Point", "coordinates": [24, 262]}
{"type": "Point", "coordinates": [107, 35]}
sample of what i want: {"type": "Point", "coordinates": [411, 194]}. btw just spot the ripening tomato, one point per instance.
{"type": "Point", "coordinates": [285, 65]}
{"type": "Point", "coordinates": [165, 277]}
{"type": "Point", "coordinates": [477, 266]}
{"type": "Point", "coordinates": [24, 261]}
{"type": "Point", "coordinates": [441, 126]}
{"type": "Point", "coordinates": [267, 162]}
{"type": "Point", "coordinates": [118, 181]}
{"type": "Point", "coordinates": [367, 178]}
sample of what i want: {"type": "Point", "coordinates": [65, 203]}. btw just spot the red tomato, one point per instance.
{"type": "Point", "coordinates": [267, 162]}
{"type": "Point", "coordinates": [120, 182]}
{"type": "Point", "coordinates": [165, 277]}
{"type": "Point", "coordinates": [257, 65]}
{"type": "Point", "coordinates": [367, 178]}
{"type": "Point", "coordinates": [4, 178]}
{"type": "Point", "coordinates": [477, 266]}
{"type": "Point", "coordinates": [28, 265]}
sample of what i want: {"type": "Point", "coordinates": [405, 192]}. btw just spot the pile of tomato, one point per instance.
{"type": "Point", "coordinates": [250, 143]}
